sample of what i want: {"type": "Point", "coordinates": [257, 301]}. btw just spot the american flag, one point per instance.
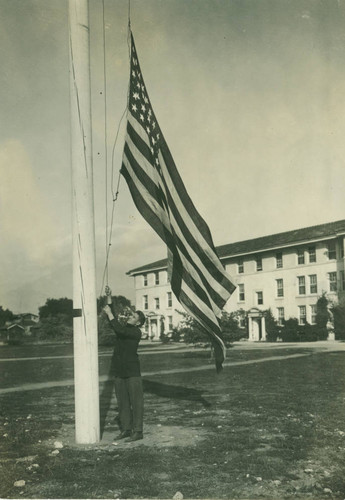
{"type": "Point", "coordinates": [197, 277]}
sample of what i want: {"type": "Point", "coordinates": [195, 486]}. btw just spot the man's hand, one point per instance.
{"type": "Point", "coordinates": [108, 294]}
{"type": "Point", "coordinates": [108, 312]}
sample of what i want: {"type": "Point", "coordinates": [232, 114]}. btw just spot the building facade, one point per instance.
{"type": "Point", "coordinates": [286, 272]}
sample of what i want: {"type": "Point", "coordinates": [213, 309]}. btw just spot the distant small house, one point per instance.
{"type": "Point", "coordinates": [15, 334]}
{"type": "Point", "coordinates": [29, 317]}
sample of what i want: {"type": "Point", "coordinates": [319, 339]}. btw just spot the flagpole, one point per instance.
{"type": "Point", "coordinates": [87, 421]}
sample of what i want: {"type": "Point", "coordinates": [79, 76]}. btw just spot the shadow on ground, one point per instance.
{"type": "Point", "coordinates": [157, 388]}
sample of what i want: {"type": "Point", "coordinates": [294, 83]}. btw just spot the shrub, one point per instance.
{"type": "Point", "coordinates": [339, 321]}
{"type": "Point", "coordinates": [293, 332]}
{"type": "Point", "coordinates": [230, 325]}
{"type": "Point", "coordinates": [55, 328]}
{"type": "Point", "coordinates": [272, 328]}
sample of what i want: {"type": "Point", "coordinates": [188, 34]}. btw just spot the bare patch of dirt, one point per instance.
{"type": "Point", "coordinates": [155, 436]}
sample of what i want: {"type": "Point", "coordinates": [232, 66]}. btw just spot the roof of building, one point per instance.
{"type": "Point", "coordinates": [273, 241]}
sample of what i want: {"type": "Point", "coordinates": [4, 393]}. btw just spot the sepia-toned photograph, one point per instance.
{"type": "Point", "coordinates": [172, 248]}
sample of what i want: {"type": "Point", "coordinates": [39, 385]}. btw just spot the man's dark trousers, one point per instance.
{"type": "Point", "coordinates": [130, 400]}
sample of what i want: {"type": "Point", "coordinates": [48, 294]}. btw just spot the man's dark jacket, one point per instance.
{"type": "Point", "coordinates": [125, 362]}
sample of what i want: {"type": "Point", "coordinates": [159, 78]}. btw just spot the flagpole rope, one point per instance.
{"type": "Point", "coordinates": [105, 138]}
{"type": "Point", "coordinates": [115, 193]}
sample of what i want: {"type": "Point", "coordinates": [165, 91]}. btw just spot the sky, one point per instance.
{"type": "Point", "coordinates": [250, 96]}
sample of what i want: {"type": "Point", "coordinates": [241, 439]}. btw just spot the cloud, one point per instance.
{"type": "Point", "coordinates": [25, 218]}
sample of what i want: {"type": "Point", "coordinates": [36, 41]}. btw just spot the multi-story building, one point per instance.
{"type": "Point", "coordinates": [285, 272]}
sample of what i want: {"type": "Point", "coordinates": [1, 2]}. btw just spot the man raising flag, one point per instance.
{"type": "Point", "coordinates": [197, 276]}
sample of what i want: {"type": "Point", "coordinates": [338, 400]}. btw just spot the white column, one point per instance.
{"type": "Point", "coordinates": [158, 328]}
{"type": "Point", "coordinates": [84, 275]}
{"type": "Point", "coordinates": [263, 328]}
{"type": "Point", "coordinates": [250, 328]}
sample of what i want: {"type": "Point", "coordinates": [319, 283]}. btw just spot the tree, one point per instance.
{"type": "Point", "coordinates": [339, 321]}
{"type": "Point", "coordinates": [62, 308]}
{"type": "Point", "coordinates": [119, 304]}
{"type": "Point", "coordinates": [322, 316]}
{"type": "Point", "coordinates": [5, 315]}
{"type": "Point", "coordinates": [272, 328]}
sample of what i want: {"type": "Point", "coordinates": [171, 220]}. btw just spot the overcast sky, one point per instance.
{"type": "Point", "coordinates": [250, 95]}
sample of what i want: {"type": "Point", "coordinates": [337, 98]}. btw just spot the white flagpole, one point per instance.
{"type": "Point", "coordinates": [87, 421]}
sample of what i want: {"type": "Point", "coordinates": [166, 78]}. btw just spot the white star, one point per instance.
{"type": "Point", "coordinates": [138, 85]}
{"type": "Point", "coordinates": [152, 150]}
{"type": "Point", "coordinates": [136, 95]}
{"type": "Point", "coordinates": [153, 141]}
{"type": "Point", "coordinates": [149, 119]}
{"type": "Point", "coordinates": [143, 107]}
{"type": "Point", "coordinates": [146, 100]}
{"type": "Point", "coordinates": [134, 107]}
{"type": "Point", "coordinates": [149, 112]}
{"type": "Point", "coordinates": [148, 129]}
{"type": "Point", "coordinates": [157, 161]}
{"type": "Point", "coordinates": [154, 125]}
{"type": "Point", "coordinates": [133, 73]}
{"type": "Point", "coordinates": [158, 136]}
{"type": "Point", "coordinates": [141, 117]}
{"type": "Point", "coordinates": [135, 62]}
{"type": "Point", "coordinates": [142, 88]}
{"type": "Point", "coordinates": [139, 76]}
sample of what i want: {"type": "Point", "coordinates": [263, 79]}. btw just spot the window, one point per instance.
{"type": "Point", "coordinates": [157, 278]}
{"type": "Point", "coordinates": [332, 254]}
{"type": "Point", "coordinates": [312, 254]}
{"type": "Point", "coordinates": [301, 285]}
{"type": "Point", "coordinates": [313, 283]}
{"type": "Point", "coordinates": [145, 302]}
{"type": "Point", "coordinates": [259, 298]}
{"type": "Point", "coordinates": [169, 299]}
{"type": "Point", "coordinates": [300, 256]}
{"type": "Point", "coordinates": [302, 315]}
{"type": "Point", "coordinates": [313, 313]}
{"type": "Point", "coordinates": [156, 302]}
{"type": "Point", "coordinates": [280, 288]}
{"type": "Point", "coordinates": [170, 323]}
{"type": "Point", "coordinates": [279, 260]}
{"type": "Point", "coordinates": [240, 267]}
{"type": "Point", "coordinates": [241, 296]}
{"type": "Point", "coordinates": [145, 279]}
{"type": "Point", "coordinates": [281, 317]}
{"type": "Point", "coordinates": [258, 263]}
{"type": "Point", "coordinates": [332, 282]}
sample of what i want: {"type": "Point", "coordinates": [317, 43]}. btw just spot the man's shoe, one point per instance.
{"type": "Point", "coordinates": [135, 437]}
{"type": "Point", "coordinates": [124, 434]}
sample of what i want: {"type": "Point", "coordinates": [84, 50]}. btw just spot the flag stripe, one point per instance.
{"type": "Point", "coordinates": [134, 130]}
{"type": "Point", "coordinates": [193, 276]}
{"type": "Point", "coordinates": [152, 218]}
{"type": "Point", "coordinates": [146, 189]}
{"type": "Point", "coordinates": [210, 262]}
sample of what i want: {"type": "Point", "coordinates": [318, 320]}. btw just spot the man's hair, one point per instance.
{"type": "Point", "coordinates": [142, 317]}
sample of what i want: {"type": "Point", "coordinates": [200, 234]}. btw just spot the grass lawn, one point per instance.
{"type": "Point", "coordinates": [261, 430]}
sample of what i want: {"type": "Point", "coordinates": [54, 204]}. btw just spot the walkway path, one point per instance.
{"type": "Point", "coordinates": [312, 346]}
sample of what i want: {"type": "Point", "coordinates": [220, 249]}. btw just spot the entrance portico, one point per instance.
{"type": "Point", "coordinates": [155, 326]}
{"type": "Point", "coordinates": [256, 325]}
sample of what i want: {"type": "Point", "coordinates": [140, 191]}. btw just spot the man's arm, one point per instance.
{"type": "Point", "coordinates": [121, 330]}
